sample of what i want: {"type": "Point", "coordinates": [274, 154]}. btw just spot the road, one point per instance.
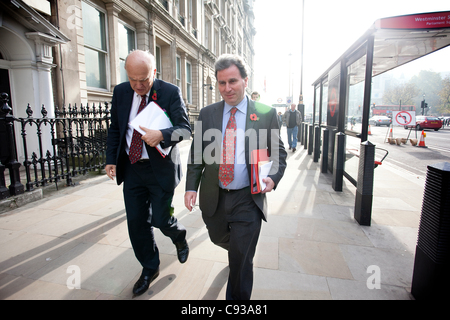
{"type": "Point", "coordinates": [413, 159]}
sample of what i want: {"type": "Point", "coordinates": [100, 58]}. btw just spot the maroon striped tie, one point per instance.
{"type": "Point", "coordinates": [136, 142]}
{"type": "Point", "coordinates": [226, 169]}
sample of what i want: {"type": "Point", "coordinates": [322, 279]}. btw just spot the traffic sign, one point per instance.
{"type": "Point", "coordinates": [404, 118]}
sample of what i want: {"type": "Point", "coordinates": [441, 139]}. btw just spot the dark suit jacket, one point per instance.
{"type": "Point", "coordinates": [260, 134]}
{"type": "Point", "coordinates": [167, 170]}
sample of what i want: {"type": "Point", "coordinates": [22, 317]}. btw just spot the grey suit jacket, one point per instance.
{"type": "Point", "coordinates": [204, 161]}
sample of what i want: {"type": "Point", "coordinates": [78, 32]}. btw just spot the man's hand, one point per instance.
{"type": "Point", "coordinates": [152, 137]}
{"type": "Point", "coordinates": [190, 198]}
{"type": "Point", "coordinates": [110, 171]}
{"type": "Point", "coordinates": [269, 185]}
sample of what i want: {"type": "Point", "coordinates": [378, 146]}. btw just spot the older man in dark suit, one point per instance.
{"type": "Point", "coordinates": [226, 135]}
{"type": "Point", "coordinates": [149, 178]}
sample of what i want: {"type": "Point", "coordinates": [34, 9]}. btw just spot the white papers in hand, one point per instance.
{"type": "Point", "coordinates": [264, 170]}
{"type": "Point", "coordinates": [154, 118]}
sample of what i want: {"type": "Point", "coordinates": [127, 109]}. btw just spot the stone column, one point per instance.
{"type": "Point", "coordinates": [113, 11]}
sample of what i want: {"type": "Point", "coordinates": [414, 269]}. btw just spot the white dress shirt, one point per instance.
{"type": "Point", "coordinates": [133, 113]}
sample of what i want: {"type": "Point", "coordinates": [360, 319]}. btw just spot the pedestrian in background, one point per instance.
{"type": "Point", "coordinates": [292, 118]}
{"type": "Point", "coordinates": [255, 96]}
{"type": "Point", "coordinates": [280, 119]}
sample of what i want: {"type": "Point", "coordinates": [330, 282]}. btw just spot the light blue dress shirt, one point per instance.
{"type": "Point", "coordinates": [241, 179]}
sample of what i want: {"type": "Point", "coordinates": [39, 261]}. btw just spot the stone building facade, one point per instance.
{"type": "Point", "coordinates": [77, 53]}
{"type": "Point", "coordinates": [61, 52]}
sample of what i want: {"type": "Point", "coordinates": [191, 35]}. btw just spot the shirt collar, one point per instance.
{"type": "Point", "coordinates": [139, 96]}
{"type": "Point", "coordinates": [242, 106]}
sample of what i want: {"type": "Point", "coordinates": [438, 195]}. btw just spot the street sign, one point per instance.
{"type": "Point", "coordinates": [404, 118]}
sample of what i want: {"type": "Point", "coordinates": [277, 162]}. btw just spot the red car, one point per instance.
{"type": "Point", "coordinates": [427, 122]}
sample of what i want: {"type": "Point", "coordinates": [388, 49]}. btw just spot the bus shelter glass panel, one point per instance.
{"type": "Point", "coordinates": [355, 98]}
{"type": "Point", "coordinates": [317, 106]}
{"type": "Point", "coordinates": [324, 102]}
{"type": "Point", "coordinates": [356, 73]}
{"type": "Point", "coordinates": [352, 148]}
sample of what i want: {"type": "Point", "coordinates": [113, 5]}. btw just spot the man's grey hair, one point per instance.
{"type": "Point", "coordinates": [227, 60]}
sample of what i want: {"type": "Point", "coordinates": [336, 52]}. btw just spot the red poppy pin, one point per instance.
{"type": "Point", "coordinates": [154, 96]}
{"type": "Point", "coordinates": [254, 117]}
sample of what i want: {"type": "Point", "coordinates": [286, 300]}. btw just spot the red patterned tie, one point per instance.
{"type": "Point", "coordinates": [136, 142]}
{"type": "Point", "coordinates": [226, 169]}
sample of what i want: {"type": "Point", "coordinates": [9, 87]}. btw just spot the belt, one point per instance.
{"type": "Point", "coordinates": [232, 190]}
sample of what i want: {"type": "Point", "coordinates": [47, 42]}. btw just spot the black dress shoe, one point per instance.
{"type": "Point", "coordinates": [143, 283]}
{"type": "Point", "coordinates": [182, 251]}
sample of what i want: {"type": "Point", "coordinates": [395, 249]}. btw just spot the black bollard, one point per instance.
{"type": "Point", "coordinates": [338, 162]}
{"type": "Point", "coordinates": [305, 136]}
{"type": "Point", "coordinates": [364, 189]}
{"type": "Point", "coordinates": [300, 133]}
{"type": "Point", "coordinates": [316, 143]}
{"type": "Point", "coordinates": [325, 143]}
{"type": "Point", "coordinates": [311, 140]}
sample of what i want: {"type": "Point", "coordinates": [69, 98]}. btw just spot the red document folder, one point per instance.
{"type": "Point", "coordinates": [257, 158]}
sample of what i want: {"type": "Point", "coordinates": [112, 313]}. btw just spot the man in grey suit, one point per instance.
{"type": "Point", "coordinates": [231, 212]}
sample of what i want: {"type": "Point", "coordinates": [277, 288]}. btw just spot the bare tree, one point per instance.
{"type": "Point", "coordinates": [444, 94]}
{"type": "Point", "coordinates": [405, 93]}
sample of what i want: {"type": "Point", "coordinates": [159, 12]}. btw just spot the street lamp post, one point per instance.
{"type": "Point", "coordinates": [301, 106]}
{"type": "Point", "coordinates": [301, 58]}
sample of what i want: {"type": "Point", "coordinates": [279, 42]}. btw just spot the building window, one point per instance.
{"type": "Point", "coordinates": [188, 82]}
{"type": "Point", "coordinates": [190, 10]}
{"type": "Point", "coordinates": [192, 14]}
{"type": "Point", "coordinates": [207, 33]}
{"type": "Point", "coordinates": [239, 44]}
{"type": "Point", "coordinates": [165, 4]}
{"type": "Point", "coordinates": [127, 43]}
{"type": "Point", "coordinates": [95, 48]}
{"type": "Point", "coordinates": [216, 42]}
{"type": "Point", "coordinates": [178, 72]}
{"type": "Point", "coordinates": [158, 61]}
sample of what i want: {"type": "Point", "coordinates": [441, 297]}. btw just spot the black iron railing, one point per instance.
{"type": "Point", "coordinates": [77, 140]}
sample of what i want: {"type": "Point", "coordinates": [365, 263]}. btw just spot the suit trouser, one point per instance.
{"type": "Point", "coordinates": [141, 190]}
{"type": "Point", "coordinates": [235, 226]}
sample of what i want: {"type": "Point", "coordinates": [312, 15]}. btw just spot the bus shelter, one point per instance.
{"type": "Point", "coordinates": [342, 94]}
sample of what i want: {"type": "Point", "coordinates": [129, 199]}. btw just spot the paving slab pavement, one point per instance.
{"type": "Point", "coordinates": [311, 248]}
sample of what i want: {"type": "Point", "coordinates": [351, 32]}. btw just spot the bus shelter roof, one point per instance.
{"type": "Point", "coordinates": [399, 40]}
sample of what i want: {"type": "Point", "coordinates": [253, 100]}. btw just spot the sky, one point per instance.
{"type": "Point", "coordinates": [331, 27]}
